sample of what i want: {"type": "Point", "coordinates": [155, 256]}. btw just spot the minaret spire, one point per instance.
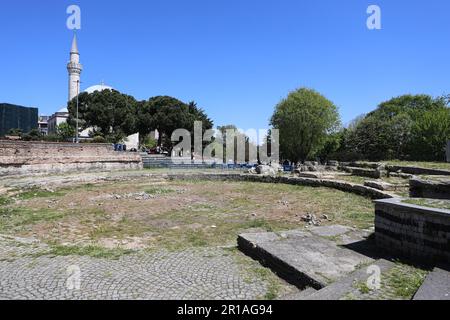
{"type": "Point", "coordinates": [74, 48]}
{"type": "Point", "coordinates": [74, 68]}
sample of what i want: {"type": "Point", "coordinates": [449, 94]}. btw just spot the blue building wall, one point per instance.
{"type": "Point", "coordinates": [17, 117]}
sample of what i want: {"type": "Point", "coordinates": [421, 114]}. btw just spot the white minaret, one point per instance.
{"type": "Point", "coordinates": [74, 67]}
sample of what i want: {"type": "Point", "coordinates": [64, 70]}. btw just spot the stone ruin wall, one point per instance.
{"type": "Point", "coordinates": [413, 232]}
{"type": "Point", "coordinates": [30, 158]}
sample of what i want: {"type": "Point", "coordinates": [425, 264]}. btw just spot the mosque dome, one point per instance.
{"type": "Point", "coordinates": [99, 87]}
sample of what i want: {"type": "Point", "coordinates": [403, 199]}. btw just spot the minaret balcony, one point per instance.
{"type": "Point", "coordinates": [74, 67]}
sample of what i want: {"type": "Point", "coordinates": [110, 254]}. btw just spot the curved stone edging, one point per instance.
{"type": "Point", "coordinates": [420, 188]}
{"type": "Point", "coordinates": [418, 170]}
{"type": "Point", "coordinates": [334, 184]}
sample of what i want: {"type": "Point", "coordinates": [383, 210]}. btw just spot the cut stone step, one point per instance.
{"type": "Point", "coordinates": [301, 258]}
{"type": "Point", "coordinates": [435, 287]}
{"type": "Point", "coordinates": [299, 295]}
{"type": "Point", "coordinates": [347, 285]}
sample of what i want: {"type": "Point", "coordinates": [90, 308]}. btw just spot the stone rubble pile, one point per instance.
{"type": "Point", "coordinates": [312, 220]}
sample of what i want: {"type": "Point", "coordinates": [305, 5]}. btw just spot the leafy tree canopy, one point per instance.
{"type": "Point", "coordinates": [304, 119]}
{"type": "Point", "coordinates": [166, 114]}
{"type": "Point", "coordinates": [410, 127]}
{"type": "Point", "coordinates": [109, 113]}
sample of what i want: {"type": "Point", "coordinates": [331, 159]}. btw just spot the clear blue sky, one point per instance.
{"type": "Point", "coordinates": [235, 58]}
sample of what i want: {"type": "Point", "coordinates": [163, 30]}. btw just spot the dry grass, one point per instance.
{"type": "Point", "coordinates": [427, 165]}
{"type": "Point", "coordinates": [177, 215]}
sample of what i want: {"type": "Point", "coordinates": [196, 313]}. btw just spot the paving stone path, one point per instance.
{"type": "Point", "coordinates": [206, 273]}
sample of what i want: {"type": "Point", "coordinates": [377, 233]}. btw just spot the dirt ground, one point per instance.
{"type": "Point", "coordinates": [157, 213]}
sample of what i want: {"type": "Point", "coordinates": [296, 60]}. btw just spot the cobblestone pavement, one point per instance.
{"type": "Point", "coordinates": [206, 273]}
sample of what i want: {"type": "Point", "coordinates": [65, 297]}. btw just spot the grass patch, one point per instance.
{"type": "Point", "coordinates": [15, 219]}
{"type": "Point", "coordinates": [207, 214]}
{"type": "Point", "coordinates": [158, 191]}
{"type": "Point", "coordinates": [438, 204]}
{"type": "Point", "coordinates": [39, 193]}
{"type": "Point", "coordinates": [198, 227]}
{"type": "Point", "coordinates": [362, 287]}
{"type": "Point", "coordinates": [405, 280]}
{"type": "Point", "coordinates": [260, 223]}
{"type": "Point", "coordinates": [253, 271]}
{"type": "Point", "coordinates": [90, 251]}
{"type": "Point", "coordinates": [426, 165]}
{"type": "Point", "coordinates": [273, 284]}
{"type": "Point", "coordinates": [4, 201]}
{"type": "Point", "coordinates": [197, 238]}
{"type": "Point", "coordinates": [353, 179]}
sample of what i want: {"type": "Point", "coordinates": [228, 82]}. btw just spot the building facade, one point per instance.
{"type": "Point", "coordinates": [43, 125]}
{"type": "Point", "coordinates": [17, 117]}
{"type": "Point", "coordinates": [56, 119]}
{"type": "Point", "coordinates": [74, 67]}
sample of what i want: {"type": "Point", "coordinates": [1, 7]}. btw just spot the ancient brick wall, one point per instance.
{"type": "Point", "coordinates": [412, 231]}
{"type": "Point", "coordinates": [22, 158]}
{"type": "Point", "coordinates": [438, 189]}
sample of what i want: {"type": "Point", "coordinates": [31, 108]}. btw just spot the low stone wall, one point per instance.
{"type": "Point", "coordinates": [364, 172]}
{"type": "Point", "coordinates": [364, 165]}
{"type": "Point", "coordinates": [439, 189]}
{"type": "Point", "coordinates": [335, 184]}
{"type": "Point", "coordinates": [411, 231]}
{"type": "Point", "coordinates": [417, 170]}
{"type": "Point", "coordinates": [448, 151]}
{"type": "Point", "coordinates": [29, 158]}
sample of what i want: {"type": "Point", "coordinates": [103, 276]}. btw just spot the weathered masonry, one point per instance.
{"type": "Point", "coordinates": [448, 151]}
{"type": "Point", "coordinates": [28, 158]}
{"type": "Point", "coordinates": [412, 231]}
{"type": "Point", "coordinates": [433, 189]}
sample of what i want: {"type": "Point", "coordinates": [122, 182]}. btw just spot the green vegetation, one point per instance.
{"type": "Point", "coordinates": [39, 193]}
{"type": "Point", "coordinates": [253, 271]}
{"type": "Point", "coordinates": [409, 127]}
{"type": "Point", "coordinates": [203, 216]}
{"type": "Point", "coordinates": [304, 119]}
{"type": "Point", "coordinates": [167, 114]}
{"type": "Point", "coordinates": [158, 191]}
{"type": "Point", "coordinates": [109, 111]}
{"type": "Point", "coordinates": [65, 131]}
{"type": "Point", "coordinates": [363, 287]}
{"type": "Point", "coordinates": [438, 204]}
{"type": "Point", "coordinates": [404, 281]}
{"type": "Point", "coordinates": [4, 201]}
{"type": "Point", "coordinates": [91, 251]}
{"type": "Point", "coordinates": [116, 115]}
{"type": "Point", "coordinates": [17, 219]}
{"type": "Point", "coordinates": [420, 164]}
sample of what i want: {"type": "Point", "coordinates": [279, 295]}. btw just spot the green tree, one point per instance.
{"type": "Point", "coordinates": [430, 134]}
{"type": "Point", "coordinates": [15, 132]}
{"type": "Point", "coordinates": [400, 129]}
{"type": "Point", "coordinates": [33, 135]}
{"type": "Point", "coordinates": [331, 145]}
{"type": "Point", "coordinates": [65, 131]}
{"type": "Point", "coordinates": [166, 114]}
{"type": "Point", "coordinates": [238, 137]}
{"type": "Point", "coordinates": [382, 138]}
{"type": "Point", "coordinates": [109, 113]}
{"type": "Point", "coordinates": [304, 119]}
